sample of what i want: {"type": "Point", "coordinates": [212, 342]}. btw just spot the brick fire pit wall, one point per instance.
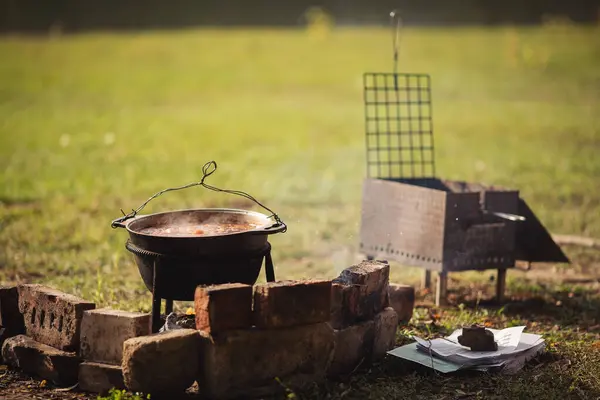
{"type": "Point", "coordinates": [248, 340]}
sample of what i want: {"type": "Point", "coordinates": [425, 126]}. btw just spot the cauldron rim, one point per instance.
{"type": "Point", "coordinates": [261, 229]}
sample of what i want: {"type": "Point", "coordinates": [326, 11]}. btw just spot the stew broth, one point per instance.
{"type": "Point", "coordinates": [199, 229]}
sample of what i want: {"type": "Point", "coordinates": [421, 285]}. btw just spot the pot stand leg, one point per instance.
{"type": "Point", "coordinates": [269, 271]}
{"type": "Point", "coordinates": [156, 301]}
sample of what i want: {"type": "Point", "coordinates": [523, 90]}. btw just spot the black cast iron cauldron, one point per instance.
{"type": "Point", "coordinates": [176, 265]}
{"type": "Point", "coordinates": [188, 261]}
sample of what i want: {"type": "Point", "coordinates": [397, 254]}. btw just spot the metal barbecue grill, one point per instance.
{"type": "Point", "coordinates": [399, 125]}
{"type": "Point", "coordinates": [411, 216]}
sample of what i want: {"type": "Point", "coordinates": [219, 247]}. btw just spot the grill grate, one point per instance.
{"type": "Point", "coordinates": [398, 125]}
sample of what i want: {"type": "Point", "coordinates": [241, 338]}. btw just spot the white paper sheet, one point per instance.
{"type": "Point", "coordinates": [509, 343]}
{"type": "Point", "coordinates": [515, 348]}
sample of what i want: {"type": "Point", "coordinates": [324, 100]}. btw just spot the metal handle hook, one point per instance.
{"type": "Point", "coordinates": [208, 169]}
{"type": "Point", "coordinates": [396, 23]}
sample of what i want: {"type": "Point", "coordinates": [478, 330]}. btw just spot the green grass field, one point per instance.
{"type": "Point", "coordinates": [93, 123]}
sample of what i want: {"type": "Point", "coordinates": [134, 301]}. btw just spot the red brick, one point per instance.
{"type": "Point", "coordinates": [386, 325]}
{"type": "Point", "coordinates": [11, 319]}
{"type": "Point", "coordinates": [344, 305]}
{"type": "Point", "coordinates": [359, 293]}
{"type": "Point", "coordinates": [38, 359]}
{"type": "Point", "coordinates": [51, 316]}
{"type": "Point", "coordinates": [353, 347]}
{"type": "Point", "coordinates": [291, 303]}
{"type": "Point", "coordinates": [162, 363]}
{"type": "Point", "coordinates": [100, 378]}
{"type": "Point", "coordinates": [223, 307]}
{"type": "Point", "coordinates": [103, 332]}
{"type": "Point", "coordinates": [244, 362]}
{"type": "Point", "coordinates": [402, 300]}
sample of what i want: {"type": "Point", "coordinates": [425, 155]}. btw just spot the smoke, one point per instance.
{"type": "Point", "coordinates": [344, 258]}
{"type": "Point", "coordinates": [182, 223]}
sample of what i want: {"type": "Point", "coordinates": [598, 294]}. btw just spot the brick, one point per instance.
{"type": "Point", "coordinates": [402, 300]}
{"type": "Point", "coordinates": [11, 318]}
{"type": "Point", "coordinates": [353, 347]}
{"type": "Point", "coordinates": [291, 303]}
{"type": "Point", "coordinates": [161, 363]}
{"type": "Point", "coordinates": [38, 359]}
{"type": "Point", "coordinates": [103, 332]}
{"type": "Point", "coordinates": [240, 362]}
{"type": "Point", "coordinates": [359, 293]}
{"type": "Point", "coordinates": [386, 325]}
{"type": "Point", "coordinates": [223, 307]}
{"type": "Point", "coordinates": [100, 378]}
{"type": "Point", "coordinates": [370, 275]}
{"type": "Point", "coordinates": [344, 305]}
{"type": "Point", "coordinates": [51, 316]}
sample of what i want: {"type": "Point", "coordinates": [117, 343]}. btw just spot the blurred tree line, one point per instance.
{"type": "Point", "coordinates": [83, 15]}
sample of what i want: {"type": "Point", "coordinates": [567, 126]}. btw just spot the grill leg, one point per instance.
{"type": "Point", "coordinates": [442, 289]}
{"type": "Point", "coordinates": [168, 306]}
{"type": "Point", "coordinates": [501, 284]}
{"type": "Point", "coordinates": [426, 279]}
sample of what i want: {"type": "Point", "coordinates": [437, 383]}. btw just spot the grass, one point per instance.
{"type": "Point", "coordinates": [93, 123]}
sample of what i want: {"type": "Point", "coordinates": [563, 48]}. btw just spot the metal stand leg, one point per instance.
{"type": "Point", "coordinates": [441, 290]}
{"type": "Point", "coordinates": [168, 306]}
{"type": "Point", "coordinates": [426, 279]}
{"type": "Point", "coordinates": [156, 303]}
{"type": "Point", "coordinates": [155, 313]}
{"type": "Point", "coordinates": [269, 271]}
{"type": "Point", "coordinates": [501, 284]}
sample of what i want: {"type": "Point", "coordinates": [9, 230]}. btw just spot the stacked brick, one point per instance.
{"type": "Point", "coordinates": [64, 339]}
{"type": "Point", "coordinates": [252, 338]}
{"type": "Point", "coordinates": [248, 340]}
{"type": "Point", "coordinates": [365, 326]}
{"type": "Point", "coordinates": [44, 330]}
{"type": "Point", "coordinates": [103, 334]}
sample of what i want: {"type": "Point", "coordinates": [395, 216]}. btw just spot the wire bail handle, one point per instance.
{"type": "Point", "coordinates": [207, 170]}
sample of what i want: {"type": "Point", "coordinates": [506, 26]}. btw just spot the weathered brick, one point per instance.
{"type": "Point", "coordinates": [344, 305]}
{"type": "Point", "coordinates": [11, 318]}
{"type": "Point", "coordinates": [402, 300]}
{"type": "Point", "coordinates": [100, 378]}
{"type": "Point", "coordinates": [104, 331]}
{"type": "Point", "coordinates": [161, 363]}
{"type": "Point", "coordinates": [359, 293]}
{"type": "Point", "coordinates": [353, 347]}
{"type": "Point", "coordinates": [223, 307]}
{"type": "Point", "coordinates": [240, 362]}
{"type": "Point", "coordinates": [41, 360]}
{"type": "Point", "coordinates": [291, 303]}
{"type": "Point", "coordinates": [386, 325]}
{"type": "Point", "coordinates": [370, 275]}
{"type": "Point", "coordinates": [51, 316]}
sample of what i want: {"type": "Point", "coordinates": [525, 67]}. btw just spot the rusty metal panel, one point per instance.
{"type": "Point", "coordinates": [506, 201]}
{"type": "Point", "coordinates": [403, 222]}
{"type": "Point", "coordinates": [533, 242]}
{"type": "Point", "coordinates": [474, 241]}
